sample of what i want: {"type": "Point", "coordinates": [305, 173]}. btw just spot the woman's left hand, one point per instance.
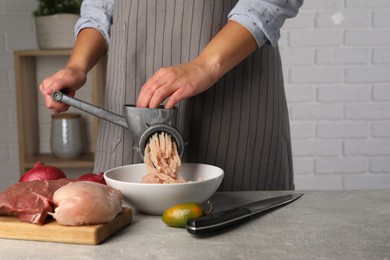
{"type": "Point", "coordinates": [229, 47]}
{"type": "Point", "coordinates": [178, 82]}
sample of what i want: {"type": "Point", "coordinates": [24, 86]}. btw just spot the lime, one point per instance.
{"type": "Point", "coordinates": [177, 216]}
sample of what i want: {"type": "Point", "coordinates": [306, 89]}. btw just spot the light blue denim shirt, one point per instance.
{"type": "Point", "coordinates": [263, 18]}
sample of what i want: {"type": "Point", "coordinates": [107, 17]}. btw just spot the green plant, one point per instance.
{"type": "Point", "coordinates": [49, 7]}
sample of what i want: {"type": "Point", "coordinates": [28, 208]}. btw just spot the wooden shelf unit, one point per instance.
{"type": "Point", "coordinates": [27, 110]}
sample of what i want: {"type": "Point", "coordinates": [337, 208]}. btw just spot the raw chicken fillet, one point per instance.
{"type": "Point", "coordinates": [86, 203]}
{"type": "Point", "coordinates": [162, 160]}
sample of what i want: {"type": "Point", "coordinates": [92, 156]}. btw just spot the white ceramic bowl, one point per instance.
{"type": "Point", "coordinates": [203, 182]}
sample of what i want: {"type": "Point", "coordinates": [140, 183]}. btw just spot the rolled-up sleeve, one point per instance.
{"type": "Point", "coordinates": [264, 18]}
{"type": "Point", "coordinates": [96, 14]}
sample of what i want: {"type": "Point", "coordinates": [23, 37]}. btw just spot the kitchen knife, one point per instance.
{"type": "Point", "coordinates": [224, 219]}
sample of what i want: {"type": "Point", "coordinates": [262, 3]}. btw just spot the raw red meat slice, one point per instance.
{"type": "Point", "coordinates": [31, 200]}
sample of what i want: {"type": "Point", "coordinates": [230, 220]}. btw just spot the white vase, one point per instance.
{"type": "Point", "coordinates": [66, 135]}
{"type": "Point", "coordinates": [55, 31]}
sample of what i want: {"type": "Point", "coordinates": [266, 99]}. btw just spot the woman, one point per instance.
{"type": "Point", "coordinates": [216, 60]}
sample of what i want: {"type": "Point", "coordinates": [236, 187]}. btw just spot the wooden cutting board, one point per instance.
{"type": "Point", "coordinates": [13, 228]}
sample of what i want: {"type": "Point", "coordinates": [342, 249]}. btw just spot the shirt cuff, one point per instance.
{"type": "Point", "coordinates": [251, 26]}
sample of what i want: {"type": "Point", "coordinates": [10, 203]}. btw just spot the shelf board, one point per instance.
{"type": "Point", "coordinates": [84, 161]}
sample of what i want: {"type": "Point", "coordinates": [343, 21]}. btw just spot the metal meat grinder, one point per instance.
{"type": "Point", "coordinates": [141, 122]}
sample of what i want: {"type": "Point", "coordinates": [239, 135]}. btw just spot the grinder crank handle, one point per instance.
{"type": "Point", "coordinates": [90, 109]}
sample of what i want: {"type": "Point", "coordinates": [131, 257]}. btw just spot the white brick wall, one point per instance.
{"type": "Point", "coordinates": [336, 57]}
{"type": "Point", "coordinates": [17, 32]}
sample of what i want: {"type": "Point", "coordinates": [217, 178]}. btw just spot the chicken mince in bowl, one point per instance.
{"type": "Point", "coordinates": [202, 181]}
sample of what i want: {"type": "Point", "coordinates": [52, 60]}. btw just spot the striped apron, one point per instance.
{"type": "Point", "coordinates": [240, 124]}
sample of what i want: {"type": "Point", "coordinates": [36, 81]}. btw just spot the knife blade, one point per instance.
{"type": "Point", "coordinates": [223, 219]}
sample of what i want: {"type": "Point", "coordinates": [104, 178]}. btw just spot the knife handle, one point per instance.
{"type": "Point", "coordinates": [218, 221]}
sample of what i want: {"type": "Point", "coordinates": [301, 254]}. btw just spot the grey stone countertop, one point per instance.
{"type": "Point", "coordinates": [320, 225]}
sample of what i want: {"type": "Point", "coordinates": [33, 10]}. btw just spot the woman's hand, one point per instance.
{"type": "Point", "coordinates": [68, 80]}
{"type": "Point", "coordinates": [177, 83]}
{"type": "Point", "coordinates": [90, 46]}
{"type": "Point", "coordinates": [228, 48]}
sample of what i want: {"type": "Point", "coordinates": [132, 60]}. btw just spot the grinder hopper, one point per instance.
{"type": "Point", "coordinates": [141, 122]}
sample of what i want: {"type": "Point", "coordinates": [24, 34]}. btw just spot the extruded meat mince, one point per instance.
{"type": "Point", "coordinates": [162, 160]}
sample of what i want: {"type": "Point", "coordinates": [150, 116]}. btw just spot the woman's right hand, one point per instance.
{"type": "Point", "coordinates": [68, 80]}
